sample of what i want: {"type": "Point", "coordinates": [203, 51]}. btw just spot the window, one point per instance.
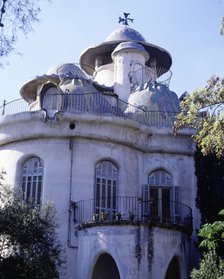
{"type": "Point", "coordinates": [159, 195]}
{"type": "Point", "coordinates": [32, 176]}
{"type": "Point", "coordinates": [51, 97]}
{"type": "Point", "coordinates": [106, 187]}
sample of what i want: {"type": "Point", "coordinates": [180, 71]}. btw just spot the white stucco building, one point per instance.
{"type": "Point", "coordinates": [97, 140]}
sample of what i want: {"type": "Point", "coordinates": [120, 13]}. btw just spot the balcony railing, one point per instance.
{"type": "Point", "coordinates": [145, 75]}
{"type": "Point", "coordinates": [132, 210]}
{"type": "Point", "coordinates": [92, 103]}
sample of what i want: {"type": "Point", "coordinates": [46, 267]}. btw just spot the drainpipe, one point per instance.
{"type": "Point", "coordinates": [71, 203]}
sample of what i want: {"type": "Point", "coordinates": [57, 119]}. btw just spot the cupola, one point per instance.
{"type": "Point", "coordinates": [104, 61]}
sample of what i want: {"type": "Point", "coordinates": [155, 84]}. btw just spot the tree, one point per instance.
{"type": "Point", "coordinates": [16, 16]}
{"type": "Point", "coordinates": [29, 247]}
{"type": "Point", "coordinates": [212, 264]}
{"type": "Point", "coordinates": [211, 267]}
{"type": "Point", "coordinates": [210, 191]}
{"type": "Point", "coordinates": [213, 236]}
{"type": "Point", "coordinates": [222, 26]}
{"type": "Point", "coordinates": [203, 111]}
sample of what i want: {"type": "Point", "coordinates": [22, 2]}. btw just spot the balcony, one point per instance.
{"type": "Point", "coordinates": [126, 210]}
{"type": "Point", "coordinates": [92, 103]}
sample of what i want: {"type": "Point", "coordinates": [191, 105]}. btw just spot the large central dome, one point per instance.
{"type": "Point", "coordinates": [124, 34]}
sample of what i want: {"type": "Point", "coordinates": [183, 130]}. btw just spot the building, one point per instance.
{"type": "Point", "coordinates": [96, 138]}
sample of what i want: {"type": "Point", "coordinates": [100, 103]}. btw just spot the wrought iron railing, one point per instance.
{"type": "Point", "coordinates": [92, 103]}
{"type": "Point", "coordinates": [149, 74]}
{"type": "Point", "coordinates": [126, 209]}
{"type": "Point", "coordinates": [15, 106]}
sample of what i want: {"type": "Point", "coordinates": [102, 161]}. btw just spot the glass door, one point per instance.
{"type": "Point", "coordinates": [160, 204]}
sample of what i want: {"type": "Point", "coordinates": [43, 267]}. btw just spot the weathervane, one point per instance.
{"type": "Point", "coordinates": [125, 19]}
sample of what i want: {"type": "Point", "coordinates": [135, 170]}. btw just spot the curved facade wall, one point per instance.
{"type": "Point", "coordinates": [70, 148]}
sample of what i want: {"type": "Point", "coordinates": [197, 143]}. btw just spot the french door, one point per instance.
{"type": "Point", "coordinates": [160, 203]}
{"type": "Point", "coordinates": [158, 196]}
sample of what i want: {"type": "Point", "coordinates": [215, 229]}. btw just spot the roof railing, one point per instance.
{"type": "Point", "coordinates": [145, 75]}
{"type": "Point", "coordinates": [92, 103]}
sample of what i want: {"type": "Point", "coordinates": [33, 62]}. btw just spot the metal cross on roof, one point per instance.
{"type": "Point", "coordinates": [125, 19]}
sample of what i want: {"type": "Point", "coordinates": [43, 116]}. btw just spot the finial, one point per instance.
{"type": "Point", "coordinates": [125, 19]}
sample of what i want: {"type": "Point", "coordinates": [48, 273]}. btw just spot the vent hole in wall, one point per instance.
{"type": "Point", "coordinates": [72, 126]}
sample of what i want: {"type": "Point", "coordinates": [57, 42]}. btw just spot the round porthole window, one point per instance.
{"type": "Point", "coordinates": [72, 126]}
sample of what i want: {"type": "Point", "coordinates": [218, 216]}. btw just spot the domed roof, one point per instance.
{"type": "Point", "coordinates": [55, 74]}
{"type": "Point", "coordinates": [155, 98]}
{"type": "Point", "coordinates": [123, 34]}
{"type": "Point", "coordinates": [131, 45]}
{"type": "Point", "coordinates": [69, 70]}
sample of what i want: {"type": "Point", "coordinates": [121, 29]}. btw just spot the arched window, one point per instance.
{"type": "Point", "coordinates": [32, 176]}
{"type": "Point", "coordinates": [51, 97]}
{"type": "Point", "coordinates": [106, 181]}
{"type": "Point", "coordinates": [163, 197]}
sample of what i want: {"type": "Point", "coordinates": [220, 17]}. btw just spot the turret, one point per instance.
{"type": "Point", "coordinates": [128, 57]}
{"type": "Point", "coordinates": [124, 60]}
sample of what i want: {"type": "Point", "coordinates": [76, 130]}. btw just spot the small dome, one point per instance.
{"type": "Point", "coordinates": [133, 46]}
{"type": "Point", "coordinates": [69, 74]}
{"type": "Point", "coordinates": [125, 34]}
{"type": "Point", "coordinates": [68, 70]}
{"type": "Point", "coordinates": [156, 98]}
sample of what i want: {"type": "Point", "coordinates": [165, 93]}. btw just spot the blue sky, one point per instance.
{"type": "Point", "coordinates": [188, 29]}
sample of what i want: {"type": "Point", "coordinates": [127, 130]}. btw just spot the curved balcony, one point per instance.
{"type": "Point", "coordinates": [92, 103]}
{"type": "Point", "coordinates": [125, 210]}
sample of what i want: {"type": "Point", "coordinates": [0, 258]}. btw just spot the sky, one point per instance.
{"type": "Point", "coordinates": [187, 29]}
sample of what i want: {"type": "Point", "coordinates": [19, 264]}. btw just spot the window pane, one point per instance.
{"type": "Point", "coordinates": [114, 194]}
{"type": "Point", "coordinates": [39, 189]}
{"type": "Point", "coordinates": [109, 194]}
{"type": "Point", "coordinates": [177, 204]}
{"type": "Point", "coordinates": [24, 185]}
{"type": "Point", "coordinates": [166, 204]}
{"type": "Point", "coordinates": [154, 202]}
{"type": "Point", "coordinates": [103, 192]}
{"type": "Point", "coordinates": [109, 170]}
{"type": "Point", "coordinates": [28, 188]}
{"type": "Point", "coordinates": [98, 192]}
{"type": "Point", "coordinates": [34, 188]}
{"type": "Point", "coordinates": [104, 169]}
{"type": "Point", "coordinates": [160, 178]}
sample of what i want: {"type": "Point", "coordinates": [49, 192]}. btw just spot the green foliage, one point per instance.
{"type": "Point", "coordinates": [213, 235]}
{"type": "Point", "coordinates": [212, 264]}
{"type": "Point", "coordinates": [29, 247]}
{"type": "Point", "coordinates": [211, 267]}
{"type": "Point", "coordinates": [203, 112]}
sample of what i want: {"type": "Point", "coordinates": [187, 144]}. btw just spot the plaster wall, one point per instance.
{"type": "Point", "coordinates": [166, 245]}
{"type": "Point", "coordinates": [124, 63]}
{"type": "Point", "coordinates": [69, 157]}
{"type": "Point", "coordinates": [135, 151]}
{"type": "Point", "coordinates": [139, 252]}
{"type": "Point", "coordinates": [105, 74]}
